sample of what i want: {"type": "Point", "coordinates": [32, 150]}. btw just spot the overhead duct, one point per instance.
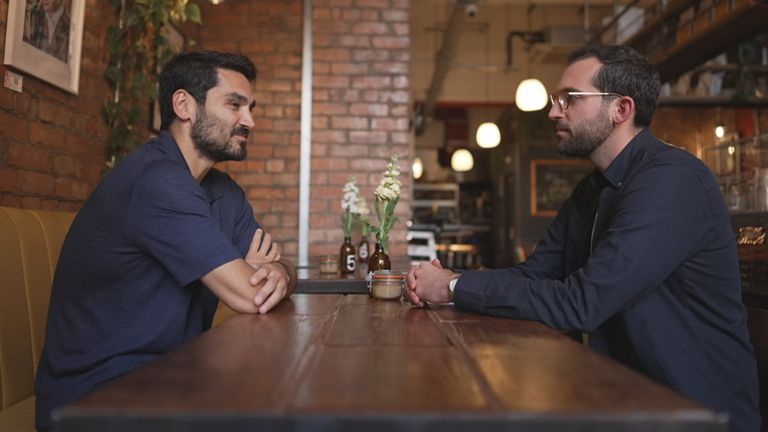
{"type": "Point", "coordinates": [460, 11]}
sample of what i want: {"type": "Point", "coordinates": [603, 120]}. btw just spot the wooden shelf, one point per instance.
{"type": "Point", "coordinates": [712, 101]}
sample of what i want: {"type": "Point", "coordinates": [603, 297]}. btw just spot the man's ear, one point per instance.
{"type": "Point", "coordinates": [184, 105]}
{"type": "Point", "coordinates": [625, 110]}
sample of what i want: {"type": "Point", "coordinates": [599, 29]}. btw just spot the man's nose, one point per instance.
{"type": "Point", "coordinates": [246, 119]}
{"type": "Point", "coordinates": [555, 112]}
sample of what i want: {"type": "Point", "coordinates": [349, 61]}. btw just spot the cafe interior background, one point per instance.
{"type": "Point", "coordinates": [345, 84]}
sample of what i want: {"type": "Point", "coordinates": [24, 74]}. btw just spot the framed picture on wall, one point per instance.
{"type": "Point", "coordinates": [177, 43]}
{"type": "Point", "coordinates": [44, 39]}
{"type": "Point", "coordinates": [552, 181]}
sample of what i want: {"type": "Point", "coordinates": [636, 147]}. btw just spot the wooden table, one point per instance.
{"type": "Point", "coordinates": [348, 362]}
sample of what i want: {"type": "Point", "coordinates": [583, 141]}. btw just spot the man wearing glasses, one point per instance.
{"type": "Point", "coordinates": [641, 257]}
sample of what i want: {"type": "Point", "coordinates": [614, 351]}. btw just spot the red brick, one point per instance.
{"type": "Point", "coordinates": [372, 82]}
{"type": "Point", "coordinates": [25, 156]}
{"type": "Point", "coordinates": [9, 200]}
{"type": "Point", "coordinates": [66, 166]}
{"type": "Point", "coordinates": [329, 136]}
{"type": "Point", "coordinates": [36, 183]}
{"type": "Point", "coordinates": [332, 54]}
{"type": "Point", "coordinates": [292, 152]}
{"type": "Point", "coordinates": [14, 129]}
{"type": "Point", "coordinates": [368, 137]}
{"type": "Point", "coordinates": [391, 42]}
{"type": "Point", "coordinates": [378, 28]}
{"type": "Point", "coordinates": [402, 29]}
{"type": "Point", "coordinates": [370, 15]}
{"type": "Point", "coordinates": [390, 124]}
{"type": "Point", "coordinates": [275, 165]}
{"type": "Point", "coordinates": [31, 202]}
{"type": "Point", "coordinates": [360, 55]}
{"type": "Point", "coordinates": [349, 69]}
{"type": "Point", "coordinates": [369, 109]}
{"type": "Point", "coordinates": [395, 15]}
{"type": "Point", "coordinates": [391, 67]}
{"type": "Point", "coordinates": [8, 180]}
{"type": "Point", "coordinates": [329, 108]}
{"type": "Point", "coordinates": [398, 96]}
{"type": "Point", "coordinates": [329, 81]}
{"type": "Point", "coordinates": [353, 41]}
{"type": "Point", "coordinates": [46, 111]}
{"type": "Point", "coordinates": [349, 123]}
{"type": "Point", "coordinates": [329, 164]}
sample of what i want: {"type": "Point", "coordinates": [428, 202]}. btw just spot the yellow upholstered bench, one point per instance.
{"type": "Point", "coordinates": [30, 242]}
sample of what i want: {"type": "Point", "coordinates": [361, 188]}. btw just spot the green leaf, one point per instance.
{"type": "Point", "coordinates": [192, 11]}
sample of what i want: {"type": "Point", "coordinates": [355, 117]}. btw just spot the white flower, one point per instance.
{"type": "Point", "coordinates": [389, 187]}
{"type": "Point", "coordinates": [362, 207]}
{"type": "Point", "coordinates": [351, 196]}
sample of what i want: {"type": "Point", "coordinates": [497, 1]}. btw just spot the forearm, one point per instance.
{"type": "Point", "coordinates": [230, 282]}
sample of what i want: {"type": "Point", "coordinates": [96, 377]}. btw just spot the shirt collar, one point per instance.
{"type": "Point", "coordinates": [168, 146]}
{"type": "Point", "coordinates": [617, 171]}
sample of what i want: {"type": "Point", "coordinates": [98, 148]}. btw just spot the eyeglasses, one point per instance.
{"type": "Point", "coordinates": [564, 98]}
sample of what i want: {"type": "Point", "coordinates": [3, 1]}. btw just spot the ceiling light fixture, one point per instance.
{"type": "Point", "coordinates": [417, 168]}
{"type": "Point", "coordinates": [488, 135]}
{"type": "Point", "coordinates": [462, 160]}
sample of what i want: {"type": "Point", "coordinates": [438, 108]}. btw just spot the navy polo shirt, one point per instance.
{"type": "Point", "coordinates": [127, 286]}
{"type": "Point", "coordinates": [642, 257]}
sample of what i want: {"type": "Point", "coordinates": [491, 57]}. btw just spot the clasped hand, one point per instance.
{"type": "Point", "coordinates": [428, 282]}
{"type": "Point", "coordinates": [263, 256]}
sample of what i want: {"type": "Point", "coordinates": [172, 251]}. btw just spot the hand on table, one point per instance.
{"type": "Point", "coordinates": [428, 282]}
{"type": "Point", "coordinates": [275, 282]}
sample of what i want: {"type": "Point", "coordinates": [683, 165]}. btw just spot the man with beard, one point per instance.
{"type": "Point", "coordinates": [641, 257]}
{"type": "Point", "coordinates": [161, 240]}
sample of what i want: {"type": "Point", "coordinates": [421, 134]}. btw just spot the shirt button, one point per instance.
{"type": "Point", "coordinates": [620, 184]}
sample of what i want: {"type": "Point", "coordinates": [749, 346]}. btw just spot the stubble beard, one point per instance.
{"type": "Point", "coordinates": [587, 136]}
{"type": "Point", "coordinates": [212, 143]}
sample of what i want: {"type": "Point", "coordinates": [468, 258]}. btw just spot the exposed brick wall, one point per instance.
{"type": "Point", "coordinates": [360, 107]}
{"type": "Point", "coordinates": [53, 143]}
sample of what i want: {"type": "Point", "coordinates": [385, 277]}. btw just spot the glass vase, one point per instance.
{"type": "Point", "coordinates": [347, 263]}
{"type": "Point", "coordinates": [363, 250]}
{"type": "Point", "coordinates": [379, 260]}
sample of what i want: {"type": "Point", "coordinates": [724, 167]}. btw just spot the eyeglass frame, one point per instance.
{"type": "Point", "coordinates": [555, 97]}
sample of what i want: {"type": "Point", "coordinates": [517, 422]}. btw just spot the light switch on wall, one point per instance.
{"type": "Point", "coordinates": [13, 81]}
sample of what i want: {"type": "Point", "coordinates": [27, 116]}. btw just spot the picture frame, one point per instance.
{"type": "Point", "coordinates": [178, 43]}
{"type": "Point", "coordinates": [54, 59]}
{"type": "Point", "coordinates": [552, 181]}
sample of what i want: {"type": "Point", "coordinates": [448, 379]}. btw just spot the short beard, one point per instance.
{"type": "Point", "coordinates": [587, 137]}
{"type": "Point", "coordinates": [218, 150]}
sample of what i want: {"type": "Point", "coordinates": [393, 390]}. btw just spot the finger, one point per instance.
{"type": "Point", "coordinates": [411, 278]}
{"type": "Point", "coordinates": [277, 294]}
{"type": "Point", "coordinates": [265, 244]}
{"type": "Point", "coordinates": [258, 276]}
{"type": "Point", "coordinates": [436, 263]}
{"type": "Point", "coordinates": [274, 251]}
{"type": "Point", "coordinates": [264, 292]}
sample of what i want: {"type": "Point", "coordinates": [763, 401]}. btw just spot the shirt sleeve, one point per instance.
{"type": "Point", "coordinates": [170, 219]}
{"type": "Point", "coordinates": [661, 218]}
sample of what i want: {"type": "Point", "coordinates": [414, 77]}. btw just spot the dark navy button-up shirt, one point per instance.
{"type": "Point", "coordinates": [643, 258]}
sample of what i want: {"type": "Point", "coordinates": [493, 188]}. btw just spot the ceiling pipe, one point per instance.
{"type": "Point", "coordinates": [461, 10]}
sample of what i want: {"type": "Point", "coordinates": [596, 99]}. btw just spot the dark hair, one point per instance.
{"type": "Point", "coordinates": [197, 72]}
{"type": "Point", "coordinates": [628, 73]}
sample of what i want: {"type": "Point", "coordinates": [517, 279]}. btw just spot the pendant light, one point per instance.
{"type": "Point", "coordinates": [417, 168]}
{"type": "Point", "coordinates": [462, 160]}
{"type": "Point", "coordinates": [530, 95]}
{"type": "Point", "coordinates": [488, 134]}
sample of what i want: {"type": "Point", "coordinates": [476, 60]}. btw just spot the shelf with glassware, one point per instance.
{"type": "Point", "coordinates": [741, 168]}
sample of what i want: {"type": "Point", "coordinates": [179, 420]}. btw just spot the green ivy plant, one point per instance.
{"type": "Point", "coordinates": [138, 48]}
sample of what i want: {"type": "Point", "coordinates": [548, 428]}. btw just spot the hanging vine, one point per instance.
{"type": "Point", "coordinates": [138, 48]}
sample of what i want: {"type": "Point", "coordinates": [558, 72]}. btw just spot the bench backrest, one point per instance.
{"type": "Point", "coordinates": [30, 242]}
